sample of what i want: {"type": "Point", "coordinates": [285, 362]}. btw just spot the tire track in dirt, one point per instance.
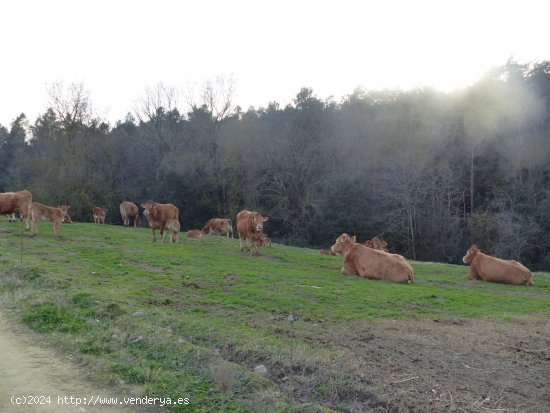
{"type": "Point", "coordinates": [27, 369]}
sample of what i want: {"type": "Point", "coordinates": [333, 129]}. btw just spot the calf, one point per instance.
{"type": "Point", "coordinates": [173, 225]}
{"type": "Point", "coordinates": [99, 215]}
{"type": "Point", "coordinates": [377, 244]}
{"type": "Point", "coordinates": [129, 211]}
{"type": "Point", "coordinates": [54, 215]}
{"type": "Point", "coordinates": [194, 233]}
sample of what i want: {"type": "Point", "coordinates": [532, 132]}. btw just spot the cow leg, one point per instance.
{"type": "Point", "coordinates": [34, 224]}
{"type": "Point", "coordinates": [162, 226]}
{"type": "Point", "coordinates": [240, 243]}
{"type": "Point", "coordinates": [56, 224]}
{"type": "Point", "coordinates": [154, 237]}
{"type": "Point", "coordinates": [349, 267]}
{"type": "Point", "coordinates": [473, 275]}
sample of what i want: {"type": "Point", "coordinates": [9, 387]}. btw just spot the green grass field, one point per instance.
{"type": "Point", "coordinates": [194, 318]}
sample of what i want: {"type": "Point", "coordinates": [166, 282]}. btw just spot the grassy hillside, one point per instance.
{"type": "Point", "coordinates": [195, 318]}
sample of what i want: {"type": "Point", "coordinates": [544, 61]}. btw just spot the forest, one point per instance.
{"type": "Point", "coordinates": [430, 172]}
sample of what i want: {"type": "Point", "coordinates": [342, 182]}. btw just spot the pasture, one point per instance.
{"type": "Point", "coordinates": [194, 319]}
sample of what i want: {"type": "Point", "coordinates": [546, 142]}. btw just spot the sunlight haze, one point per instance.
{"type": "Point", "coordinates": [271, 49]}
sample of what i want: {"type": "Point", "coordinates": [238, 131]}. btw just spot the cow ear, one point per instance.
{"type": "Point", "coordinates": [354, 238]}
{"type": "Point", "coordinates": [68, 207]}
{"type": "Point", "coordinates": [265, 219]}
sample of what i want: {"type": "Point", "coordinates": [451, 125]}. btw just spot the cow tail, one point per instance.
{"type": "Point", "coordinates": [411, 274]}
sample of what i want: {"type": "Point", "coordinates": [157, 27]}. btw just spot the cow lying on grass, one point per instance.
{"type": "Point", "coordinates": [492, 269]}
{"type": "Point", "coordinates": [370, 263]}
{"type": "Point", "coordinates": [54, 215]}
{"type": "Point", "coordinates": [194, 233]}
{"type": "Point", "coordinates": [377, 244]}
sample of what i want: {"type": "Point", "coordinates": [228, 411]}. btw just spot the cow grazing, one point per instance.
{"type": "Point", "coordinates": [157, 215]}
{"type": "Point", "coordinates": [494, 269]}
{"type": "Point", "coordinates": [173, 225]}
{"type": "Point", "coordinates": [194, 233]}
{"type": "Point", "coordinates": [99, 215]}
{"type": "Point", "coordinates": [250, 225]}
{"type": "Point", "coordinates": [370, 263]}
{"type": "Point", "coordinates": [54, 215]}
{"type": "Point", "coordinates": [218, 226]}
{"type": "Point", "coordinates": [129, 211]}
{"type": "Point", "coordinates": [20, 201]}
{"type": "Point", "coordinates": [377, 244]}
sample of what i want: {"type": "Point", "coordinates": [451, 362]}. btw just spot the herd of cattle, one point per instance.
{"type": "Point", "coordinates": [370, 260]}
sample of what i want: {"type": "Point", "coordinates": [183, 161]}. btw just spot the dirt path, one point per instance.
{"type": "Point", "coordinates": [30, 370]}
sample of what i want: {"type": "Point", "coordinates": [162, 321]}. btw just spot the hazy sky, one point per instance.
{"type": "Point", "coordinates": [117, 48]}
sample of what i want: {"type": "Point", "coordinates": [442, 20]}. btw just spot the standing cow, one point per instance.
{"type": "Point", "coordinates": [218, 226]}
{"type": "Point", "coordinates": [370, 263]}
{"type": "Point", "coordinates": [129, 211]}
{"type": "Point", "coordinates": [494, 269]}
{"type": "Point", "coordinates": [157, 215]}
{"type": "Point", "coordinates": [250, 225]}
{"type": "Point", "coordinates": [54, 215]}
{"type": "Point", "coordinates": [173, 225]}
{"type": "Point", "coordinates": [99, 215]}
{"type": "Point", "coordinates": [21, 201]}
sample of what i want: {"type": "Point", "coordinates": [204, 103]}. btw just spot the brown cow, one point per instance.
{"type": "Point", "coordinates": [173, 225]}
{"type": "Point", "coordinates": [265, 241]}
{"type": "Point", "coordinates": [371, 263]}
{"type": "Point", "coordinates": [157, 215]}
{"type": "Point", "coordinates": [54, 215]}
{"type": "Point", "coordinates": [377, 244]}
{"type": "Point", "coordinates": [99, 215]}
{"type": "Point", "coordinates": [21, 201]}
{"type": "Point", "coordinates": [494, 269]}
{"type": "Point", "coordinates": [129, 211]}
{"type": "Point", "coordinates": [249, 226]}
{"type": "Point", "coordinates": [218, 226]}
{"type": "Point", "coordinates": [194, 233]}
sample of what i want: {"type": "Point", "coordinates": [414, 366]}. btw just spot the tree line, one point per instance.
{"type": "Point", "coordinates": [430, 172]}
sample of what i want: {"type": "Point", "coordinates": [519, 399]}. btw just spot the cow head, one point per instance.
{"type": "Point", "coordinates": [257, 221]}
{"type": "Point", "coordinates": [64, 209]}
{"type": "Point", "coordinates": [470, 254]}
{"type": "Point", "coordinates": [148, 207]}
{"type": "Point", "coordinates": [377, 244]}
{"type": "Point", "coordinates": [343, 244]}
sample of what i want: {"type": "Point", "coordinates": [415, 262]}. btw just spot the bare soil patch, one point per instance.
{"type": "Point", "coordinates": [440, 365]}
